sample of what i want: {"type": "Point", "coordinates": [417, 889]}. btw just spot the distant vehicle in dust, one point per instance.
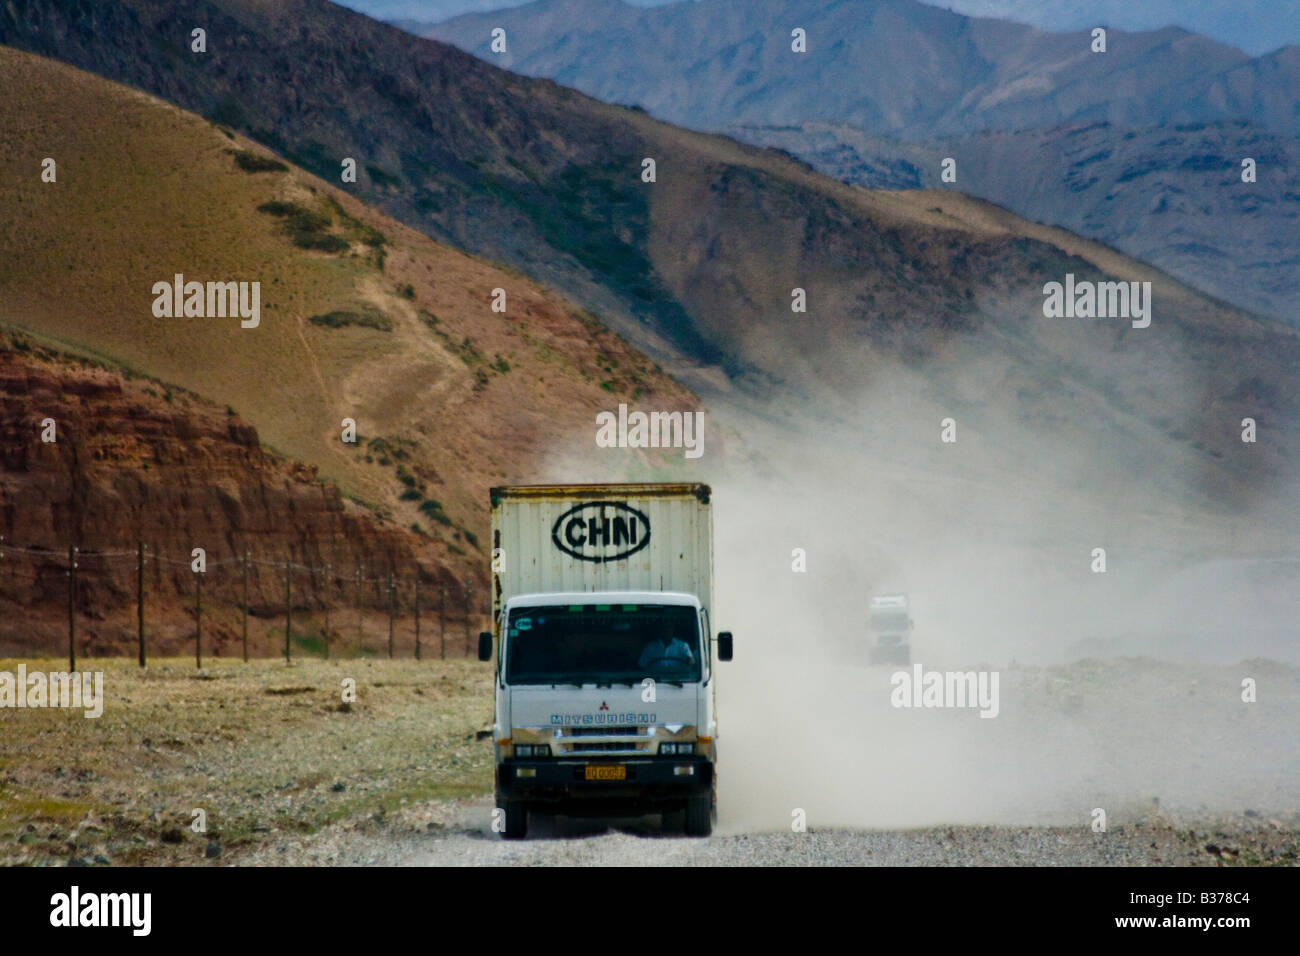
{"type": "Point", "coordinates": [889, 629]}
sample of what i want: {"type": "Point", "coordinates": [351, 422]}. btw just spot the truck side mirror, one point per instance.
{"type": "Point", "coordinates": [485, 646]}
{"type": "Point", "coordinates": [724, 645]}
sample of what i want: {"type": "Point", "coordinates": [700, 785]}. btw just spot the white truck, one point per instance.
{"type": "Point", "coordinates": [602, 598]}
{"type": "Point", "coordinates": [889, 629]}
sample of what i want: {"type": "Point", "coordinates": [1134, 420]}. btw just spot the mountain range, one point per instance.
{"type": "Point", "coordinates": [893, 67]}
{"type": "Point", "coordinates": [896, 85]}
{"type": "Point", "coordinates": [1255, 26]}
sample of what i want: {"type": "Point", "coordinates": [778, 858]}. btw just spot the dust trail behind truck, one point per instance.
{"type": "Point", "coordinates": [602, 598]}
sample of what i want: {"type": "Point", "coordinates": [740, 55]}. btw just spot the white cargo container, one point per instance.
{"type": "Point", "coordinates": [601, 600]}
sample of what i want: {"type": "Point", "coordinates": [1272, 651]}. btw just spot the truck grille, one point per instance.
{"type": "Point", "coordinates": [611, 739]}
{"type": "Point", "coordinates": [605, 747]}
{"type": "Point", "coordinates": [626, 731]}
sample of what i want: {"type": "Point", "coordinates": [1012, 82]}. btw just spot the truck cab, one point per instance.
{"type": "Point", "coordinates": [605, 698]}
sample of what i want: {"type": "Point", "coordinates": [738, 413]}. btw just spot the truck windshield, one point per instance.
{"type": "Point", "coordinates": [602, 644]}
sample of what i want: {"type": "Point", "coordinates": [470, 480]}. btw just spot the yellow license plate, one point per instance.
{"type": "Point", "coordinates": [618, 772]}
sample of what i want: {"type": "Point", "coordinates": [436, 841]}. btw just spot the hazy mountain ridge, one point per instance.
{"type": "Point", "coordinates": [1172, 197]}
{"type": "Point", "coordinates": [900, 85]}
{"type": "Point", "coordinates": [1255, 26]}
{"type": "Point", "coordinates": [894, 67]}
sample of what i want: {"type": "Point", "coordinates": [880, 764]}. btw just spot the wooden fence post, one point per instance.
{"type": "Point", "coordinates": [139, 596]}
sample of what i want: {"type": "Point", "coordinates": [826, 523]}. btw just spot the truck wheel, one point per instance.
{"type": "Point", "coordinates": [516, 819]}
{"type": "Point", "coordinates": [699, 816]}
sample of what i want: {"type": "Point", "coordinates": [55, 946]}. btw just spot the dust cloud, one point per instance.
{"type": "Point", "coordinates": [1119, 690]}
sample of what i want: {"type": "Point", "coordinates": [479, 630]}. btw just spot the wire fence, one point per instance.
{"type": "Point", "coordinates": [160, 600]}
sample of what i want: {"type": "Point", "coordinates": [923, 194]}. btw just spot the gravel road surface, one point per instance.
{"type": "Point", "coordinates": [459, 834]}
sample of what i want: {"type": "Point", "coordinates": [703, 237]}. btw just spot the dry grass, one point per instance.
{"type": "Point", "coordinates": [267, 751]}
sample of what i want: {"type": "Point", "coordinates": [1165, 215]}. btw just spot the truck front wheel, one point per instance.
{"type": "Point", "coordinates": [699, 816]}
{"type": "Point", "coordinates": [516, 818]}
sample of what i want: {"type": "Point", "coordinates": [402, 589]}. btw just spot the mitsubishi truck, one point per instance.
{"type": "Point", "coordinates": [889, 628]}
{"type": "Point", "coordinates": [602, 597]}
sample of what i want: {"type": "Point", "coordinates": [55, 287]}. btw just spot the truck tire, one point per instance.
{"type": "Point", "coordinates": [699, 816]}
{"type": "Point", "coordinates": [516, 821]}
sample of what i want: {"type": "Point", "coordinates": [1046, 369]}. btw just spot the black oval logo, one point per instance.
{"type": "Point", "coordinates": [601, 531]}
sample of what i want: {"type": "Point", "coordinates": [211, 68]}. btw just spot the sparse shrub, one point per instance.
{"type": "Point", "coordinates": [251, 162]}
{"type": "Point", "coordinates": [366, 316]}
{"type": "Point", "coordinates": [433, 509]}
{"type": "Point", "coordinates": [307, 228]}
{"type": "Point", "coordinates": [372, 236]}
{"type": "Point", "coordinates": [276, 207]}
{"type": "Point", "coordinates": [320, 241]}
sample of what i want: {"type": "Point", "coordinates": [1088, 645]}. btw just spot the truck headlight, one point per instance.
{"type": "Point", "coordinates": [532, 750]}
{"type": "Point", "coordinates": [676, 749]}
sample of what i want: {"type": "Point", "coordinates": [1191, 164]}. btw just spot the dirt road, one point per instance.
{"type": "Point", "coordinates": [1187, 772]}
{"type": "Point", "coordinates": [459, 834]}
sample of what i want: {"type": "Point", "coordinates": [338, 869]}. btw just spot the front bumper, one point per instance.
{"type": "Point", "coordinates": [653, 783]}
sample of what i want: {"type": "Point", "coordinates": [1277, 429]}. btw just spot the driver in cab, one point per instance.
{"type": "Point", "coordinates": [665, 650]}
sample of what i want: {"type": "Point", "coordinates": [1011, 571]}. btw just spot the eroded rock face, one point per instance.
{"type": "Point", "coordinates": [135, 462]}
